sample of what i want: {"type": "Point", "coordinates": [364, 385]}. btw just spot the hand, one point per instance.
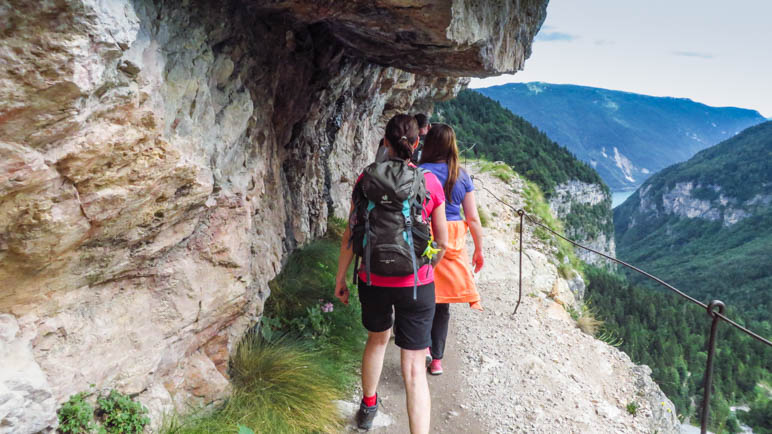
{"type": "Point", "coordinates": [341, 291]}
{"type": "Point", "coordinates": [434, 261]}
{"type": "Point", "coordinates": [478, 260]}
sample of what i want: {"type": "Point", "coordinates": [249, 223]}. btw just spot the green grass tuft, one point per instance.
{"type": "Point", "coordinates": [632, 408]}
{"type": "Point", "coordinates": [277, 387]}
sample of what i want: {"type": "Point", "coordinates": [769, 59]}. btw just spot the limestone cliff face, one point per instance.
{"type": "Point", "coordinates": [586, 210]}
{"type": "Point", "coordinates": [159, 159]}
{"type": "Point", "coordinates": [683, 200]}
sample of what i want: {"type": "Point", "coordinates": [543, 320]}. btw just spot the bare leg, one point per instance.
{"type": "Point", "coordinates": [418, 400]}
{"type": "Point", "coordinates": [372, 360]}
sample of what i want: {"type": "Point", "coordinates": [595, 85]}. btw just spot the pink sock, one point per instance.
{"type": "Point", "coordinates": [370, 400]}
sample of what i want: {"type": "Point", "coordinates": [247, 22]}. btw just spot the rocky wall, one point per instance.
{"type": "Point", "coordinates": [586, 210]}
{"type": "Point", "coordinates": [159, 159]}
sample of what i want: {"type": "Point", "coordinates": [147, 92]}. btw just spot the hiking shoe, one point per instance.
{"type": "Point", "coordinates": [366, 415]}
{"type": "Point", "coordinates": [428, 357]}
{"type": "Point", "coordinates": [435, 368]}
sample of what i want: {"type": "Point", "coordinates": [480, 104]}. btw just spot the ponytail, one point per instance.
{"type": "Point", "coordinates": [402, 132]}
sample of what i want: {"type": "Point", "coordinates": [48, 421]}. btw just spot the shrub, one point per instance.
{"type": "Point", "coordinates": [302, 305]}
{"type": "Point", "coordinates": [610, 337]}
{"type": "Point", "coordinates": [76, 415]}
{"type": "Point", "coordinates": [632, 407]}
{"type": "Point", "coordinates": [120, 414]}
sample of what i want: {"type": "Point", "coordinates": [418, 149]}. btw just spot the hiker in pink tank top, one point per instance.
{"type": "Point", "coordinates": [396, 209]}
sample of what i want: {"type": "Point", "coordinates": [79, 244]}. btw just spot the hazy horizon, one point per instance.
{"type": "Point", "coordinates": [700, 50]}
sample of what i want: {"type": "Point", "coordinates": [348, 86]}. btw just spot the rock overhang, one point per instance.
{"type": "Point", "coordinates": [430, 37]}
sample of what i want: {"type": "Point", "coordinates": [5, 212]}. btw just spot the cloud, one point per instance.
{"type": "Point", "coordinates": [555, 37]}
{"type": "Point", "coordinates": [693, 54]}
{"type": "Point", "coordinates": [600, 42]}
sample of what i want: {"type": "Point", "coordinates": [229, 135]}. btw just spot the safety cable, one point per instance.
{"type": "Point", "coordinates": [632, 267]}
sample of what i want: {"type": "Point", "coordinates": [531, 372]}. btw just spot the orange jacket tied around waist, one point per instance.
{"type": "Point", "coordinates": [453, 280]}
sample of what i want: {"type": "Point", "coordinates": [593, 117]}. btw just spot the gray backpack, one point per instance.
{"type": "Point", "coordinates": [388, 229]}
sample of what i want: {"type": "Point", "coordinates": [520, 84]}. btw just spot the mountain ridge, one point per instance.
{"type": "Point", "coordinates": [625, 136]}
{"type": "Point", "coordinates": [701, 223]}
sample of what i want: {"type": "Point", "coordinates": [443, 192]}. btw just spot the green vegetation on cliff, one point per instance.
{"type": "Point", "coordinates": [670, 335]}
{"type": "Point", "coordinates": [709, 256]}
{"type": "Point", "coordinates": [592, 219]}
{"type": "Point", "coordinates": [709, 259]}
{"type": "Point", "coordinates": [741, 166]}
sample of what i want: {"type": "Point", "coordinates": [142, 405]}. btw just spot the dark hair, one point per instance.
{"type": "Point", "coordinates": [422, 120]}
{"type": "Point", "coordinates": [402, 132]}
{"type": "Point", "coordinates": [440, 147]}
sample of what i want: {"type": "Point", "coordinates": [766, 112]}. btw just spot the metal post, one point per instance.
{"type": "Point", "coordinates": [520, 273]}
{"type": "Point", "coordinates": [707, 384]}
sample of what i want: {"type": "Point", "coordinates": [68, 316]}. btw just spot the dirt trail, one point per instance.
{"type": "Point", "coordinates": [451, 413]}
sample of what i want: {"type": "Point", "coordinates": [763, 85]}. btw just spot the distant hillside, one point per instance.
{"type": "Point", "coordinates": [625, 136]}
{"type": "Point", "coordinates": [575, 191]}
{"type": "Point", "coordinates": [501, 135]}
{"type": "Point", "coordinates": [705, 225]}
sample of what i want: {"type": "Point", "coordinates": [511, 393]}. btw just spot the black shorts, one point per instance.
{"type": "Point", "coordinates": [412, 317]}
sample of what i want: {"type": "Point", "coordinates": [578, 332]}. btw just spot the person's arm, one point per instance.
{"type": "Point", "coordinates": [475, 227]}
{"type": "Point", "coordinates": [344, 260]}
{"type": "Point", "coordinates": [440, 231]}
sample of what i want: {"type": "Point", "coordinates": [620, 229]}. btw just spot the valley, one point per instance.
{"type": "Point", "coordinates": [626, 137]}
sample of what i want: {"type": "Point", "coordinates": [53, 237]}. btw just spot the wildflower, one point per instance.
{"type": "Point", "coordinates": [327, 307]}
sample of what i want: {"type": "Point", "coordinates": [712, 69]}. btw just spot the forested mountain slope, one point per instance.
{"type": "Point", "coordinates": [665, 332]}
{"type": "Point", "coordinates": [624, 136]}
{"type": "Point", "coordinates": [575, 190]}
{"type": "Point", "coordinates": [705, 225]}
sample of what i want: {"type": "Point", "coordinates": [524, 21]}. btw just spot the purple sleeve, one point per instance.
{"type": "Point", "coordinates": [467, 182]}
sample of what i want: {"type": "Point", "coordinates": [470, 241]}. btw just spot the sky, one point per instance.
{"type": "Point", "coordinates": [717, 52]}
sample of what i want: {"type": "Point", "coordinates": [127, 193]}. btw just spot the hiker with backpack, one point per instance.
{"type": "Point", "coordinates": [397, 229]}
{"type": "Point", "coordinates": [452, 276]}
